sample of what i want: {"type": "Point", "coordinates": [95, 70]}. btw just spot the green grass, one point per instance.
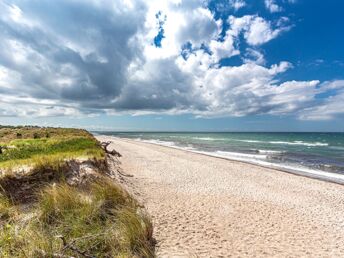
{"type": "Point", "coordinates": [31, 147]}
{"type": "Point", "coordinates": [28, 148]}
{"type": "Point", "coordinates": [9, 133]}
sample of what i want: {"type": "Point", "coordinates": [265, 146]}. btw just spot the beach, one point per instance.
{"type": "Point", "coordinates": [205, 206]}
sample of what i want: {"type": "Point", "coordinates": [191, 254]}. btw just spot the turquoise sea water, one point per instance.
{"type": "Point", "coordinates": [307, 152]}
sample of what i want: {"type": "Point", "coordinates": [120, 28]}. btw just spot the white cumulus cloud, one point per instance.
{"type": "Point", "coordinates": [86, 57]}
{"type": "Point", "coordinates": [256, 29]}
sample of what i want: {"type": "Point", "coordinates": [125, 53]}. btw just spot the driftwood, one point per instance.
{"type": "Point", "coordinates": [114, 165]}
{"type": "Point", "coordinates": [113, 152]}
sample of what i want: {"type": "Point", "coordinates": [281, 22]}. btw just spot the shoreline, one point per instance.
{"type": "Point", "coordinates": [330, 178]}
{"type": "Point", "coordinates": [204, 206]}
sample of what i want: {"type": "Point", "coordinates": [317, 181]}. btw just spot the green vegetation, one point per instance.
{"type": "Point", "coordinates": [43, 215]}
{"type": "Point", "coordinates": [27, 146]}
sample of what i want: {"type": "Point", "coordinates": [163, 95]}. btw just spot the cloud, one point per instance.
{"type": "Point", "coordinates": [225, 48]}
{"type": "Point", "coordinates": [329, 110]}
{"type": "Point", "coordinates": [237, 4]}
{"type": "Point", "coordinates": [254, 56]}
{"type": "Point", "coordinates": [249, 89]}
{"type": "Point", "coordinates": [226, 6]}
{"type": "Point", "coordinates": [70, 51]}
{"type": "Point", "coordinates": [83, 58]}
{"type": "Point", "coordinates": [330, 107]}
{"type": "Point", "coordinates": [256, 29]}
{"type": "Point", "coordinates": [272, 6]}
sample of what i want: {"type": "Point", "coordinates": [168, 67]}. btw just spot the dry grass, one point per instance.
{"type": "Point", "coordinates": [6, 209]}
{"type": "Point", "coordinates": [98, 221]}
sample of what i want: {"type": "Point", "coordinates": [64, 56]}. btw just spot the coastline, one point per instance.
{"type": "Point", "coordinates": [204, 206]}
{"type": "Point", "coordinates": [313, 174]}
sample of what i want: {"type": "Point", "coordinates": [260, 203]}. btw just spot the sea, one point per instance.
{"type": "Point", "coordinates": [319, 155]}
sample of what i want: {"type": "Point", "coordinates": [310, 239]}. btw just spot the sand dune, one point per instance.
{"type": "Point", "coordinates": [208, 207]}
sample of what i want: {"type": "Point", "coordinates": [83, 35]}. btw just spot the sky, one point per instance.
{"type": "Point", "coordinates": [178, 65]}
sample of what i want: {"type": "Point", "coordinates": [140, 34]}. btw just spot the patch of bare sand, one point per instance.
{"type": "Point", "coordinates": [208, 207]}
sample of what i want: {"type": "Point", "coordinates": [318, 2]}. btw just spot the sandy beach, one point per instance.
{"type": "Point", "coordinates": [203, 206]}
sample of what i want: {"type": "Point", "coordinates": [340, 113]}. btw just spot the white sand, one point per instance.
{"type": "Point", "coordinates": [209, 207]}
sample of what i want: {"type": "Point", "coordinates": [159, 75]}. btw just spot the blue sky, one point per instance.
{"type": "Point", "coordinates": [178, 65]}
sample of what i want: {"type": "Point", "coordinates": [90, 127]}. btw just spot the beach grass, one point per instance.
{"type": "Point", "coordinates": [29, 146]}
{"type": "Point", "coordinates": [96, 219]}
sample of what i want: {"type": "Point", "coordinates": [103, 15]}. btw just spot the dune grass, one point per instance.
{"type": "Point", "coordinates": [9, 133]}
{"type": "Point", "coordinates": [6, 209]}
{"type": "Point", "coordinates": [98, 219]}
{"type": "Point", "coordinates": [28, 146]}
{"type": "Point", "coordinates": [99, 222]}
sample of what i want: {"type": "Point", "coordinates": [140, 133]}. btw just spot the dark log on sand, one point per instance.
{"type": "Point", "coordinates": [113, 152]}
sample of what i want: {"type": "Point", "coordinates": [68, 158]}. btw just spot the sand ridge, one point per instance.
{"type": "Point", "coordinates": [208, 207]}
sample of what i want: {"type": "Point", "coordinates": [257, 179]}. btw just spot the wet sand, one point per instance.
{"type": "Point", "coordinates": [204, 206]}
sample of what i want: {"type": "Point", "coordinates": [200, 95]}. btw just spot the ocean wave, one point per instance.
{"type": "Point", "coordinates": [310, 144]}
{"type": "Point", "coordinates": [302, 143]}
{"type": "Point", "coordinates": [293, 168]}
{"type": "Point", "coordinates": [241, 155]}
{"type": "Point", "coordinates": [169, 144]}
{"type": "Point", "coordinates": [233, 155]}
{"type": "Point", "coordinates": [250, 141]}
{"type": "Point", "coordinates": [190, 148]}
{"type": "Point", "coordinates": [299, 143]}
{"type": "Point", "coordinates": [225, 139]}
{"type": "Point", "coordinates": [159, 142]}
{"type": "Point", "coordinates": [259, 159]}
{"type": "Point", "coordinates": [337, 148]}
{"type": "Point", "coordinates": [270, 151]}
{"type": "Point", "coordinates": [204, 138]}
{"type": "Point", "coordinates": [211, 139]}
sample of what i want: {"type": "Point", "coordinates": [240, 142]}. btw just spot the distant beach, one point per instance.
{"type": "Point", "coordinates": [203, 206]}
{"type": "Point", "coordinates": [316, 155]}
